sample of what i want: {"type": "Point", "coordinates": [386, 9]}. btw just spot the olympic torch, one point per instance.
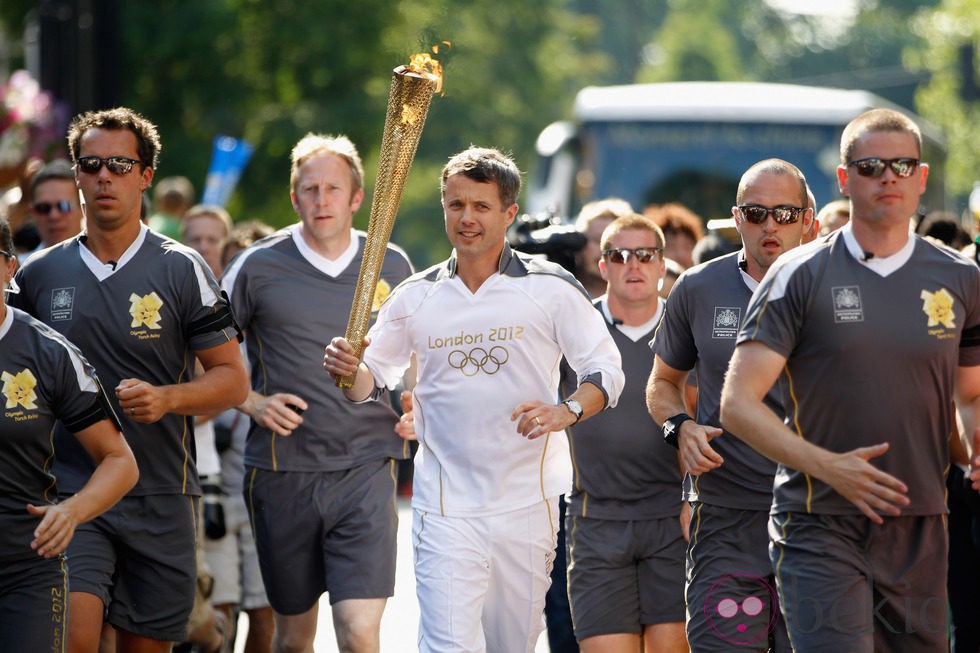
{"type": "Point", "coordinates": [411, 92]}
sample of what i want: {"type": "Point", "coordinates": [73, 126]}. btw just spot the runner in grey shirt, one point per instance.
{"type": "Point", "coordinates": [876, 332]}
{"type": "Point", "coordinates": [320, 475]}
{"type": "Point", "coordinates": [140, 307]}
{"type": "Point", "coordinates": [728, 484]}
{"type": "Point", "coordinates": [626, 548]}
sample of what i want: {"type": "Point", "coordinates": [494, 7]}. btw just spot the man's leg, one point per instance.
{"type": "Point", "coordinates": [522, 553]}
{"type": "Point", "coordinates": [357, 623]}
{"type": "Point", "coordinates": [666, 638]}
{"type": "Point", "coordinates": [451, 575]}
{"type": "Point", "coordinates": [127, 642]}
{"type": "Point", "coordinates": [84, 622]}
{"type": "Point", "coordinates": [261, 628]}
{"type": "Point", "coordinates": [614, 643]}
{"type": "Point", "coordinates": [295, 632]}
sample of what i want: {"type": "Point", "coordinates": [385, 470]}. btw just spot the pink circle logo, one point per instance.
{"type": "Point", "coordinates": [733, 607]}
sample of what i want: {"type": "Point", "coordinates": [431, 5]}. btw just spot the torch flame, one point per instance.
{"type": "Point", "coordinates": [424, 64]}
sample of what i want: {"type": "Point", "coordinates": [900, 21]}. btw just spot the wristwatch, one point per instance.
{"type": "Point", "coordinates": [575, 407]}
{"type": "Point", "coordinates": [672, 428]}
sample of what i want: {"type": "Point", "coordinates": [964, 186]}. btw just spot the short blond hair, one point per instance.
{"type": "Point", "coordinates": [631, 221]}
{"type": "Point", "coordinates": [313, 145]}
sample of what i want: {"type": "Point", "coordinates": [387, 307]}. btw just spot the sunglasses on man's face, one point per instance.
{"type": "Point", "coordinates": [117, 165]}
{"type": "Point", "coordinates": [757, 214]}
{"type": "Point", "coordinates": [44, 208]}
{"type": "Point", "coordinates": [622, 255]}
{"type": "Point", "coordinates": [874, 167]}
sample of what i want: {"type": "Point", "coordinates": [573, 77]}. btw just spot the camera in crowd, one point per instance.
{"type": "Point", "coordinates": [546, 235]}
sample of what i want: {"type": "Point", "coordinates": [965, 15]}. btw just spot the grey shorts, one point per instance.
{"type": "Point", "coordinates": [33, 604]}
{"type": "Point", "coordinates": [847, 584]}
{"type": "Point", "coordinates": [731, 591]}
{"type": "Point", "coordinates": [139, 559]}
{"type": "Point", "coordinates": [624, 575]}
{"type": "Point", "coordinates": [322, 532]}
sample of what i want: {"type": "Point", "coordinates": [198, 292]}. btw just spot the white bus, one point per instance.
{"type": "Point", "coordinates": [690, 142]}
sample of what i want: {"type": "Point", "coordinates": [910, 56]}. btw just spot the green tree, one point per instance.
{"type": "Point", "coordinates": [950, 36]}
{"type": "Point", "coordinates": [270, 72]}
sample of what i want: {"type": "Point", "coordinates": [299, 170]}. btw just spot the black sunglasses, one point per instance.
{"type": "Point", "coordinates": [117, 165]}
{"type": "Point", "coordinates": [44, 208]}
{"type": "Point", "coordinates": [623, 255]}
{"type": "Point", "coordinates": [4, 252]}
{"type": "Point", "coordinates": [757, 214]}
{"type": "Point", "coordinates": [874, 167]}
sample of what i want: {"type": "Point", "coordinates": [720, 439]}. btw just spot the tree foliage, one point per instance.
{"type": "Point", "coordinates": [950, 52]}
{"type": "Point", "coordinates": [271, 72]}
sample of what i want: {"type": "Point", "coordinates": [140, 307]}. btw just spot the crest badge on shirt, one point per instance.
{"type": "Point", "coordinates": [727, 319]}
{"type": "Point", "coordinates": [62, 304]}
{"type": "Point", "coordinates": [847, 304]}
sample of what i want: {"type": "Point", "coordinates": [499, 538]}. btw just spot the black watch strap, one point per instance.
{"type": "Point", "coordinates": [672, 428]}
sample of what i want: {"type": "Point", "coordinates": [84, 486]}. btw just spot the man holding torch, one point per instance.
{"type": "Point", "coordinates": [489, 328]}
{"type": "Point", "coordinates": [320, 484]}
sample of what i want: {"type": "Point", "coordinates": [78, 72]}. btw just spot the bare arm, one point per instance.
{"type": "Point", "coordinates": [280, 412]}
{"type": "Point", "coordinates": [752, 371]}
{"type": "Point", "coordinates": [968, 413]}
{"type": "Point", "coordinates": [666, 397]}
{"type": "Point", "coordinates": [223, 385]}
{"type": "Point", "coordinates": [339, 361]}
{"type": "Point", "coordinates": [115, 474]}
{"type": "Point", "coordinates": [536, 418]}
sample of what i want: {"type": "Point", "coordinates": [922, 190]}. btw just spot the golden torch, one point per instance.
{"type": "Point", "coordinates": [411, 92]}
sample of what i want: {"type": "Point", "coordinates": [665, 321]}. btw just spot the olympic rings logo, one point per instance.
{"type": "Point", "coordinates": [478, 359]}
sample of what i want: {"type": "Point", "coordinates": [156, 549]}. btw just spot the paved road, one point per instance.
{"type": "Point", "coordinates": [399, 626]}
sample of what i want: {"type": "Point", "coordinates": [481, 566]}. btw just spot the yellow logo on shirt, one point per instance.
{"type": "Point", "coordinates": [381, 293]}
{"type": "Point", "coordinates": [938, 307]}
{"type": "Point", "coordinates": [145, 310]}
{"type": "Point", "coordinates": [19, 389]}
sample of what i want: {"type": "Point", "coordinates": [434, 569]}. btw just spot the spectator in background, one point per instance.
{"type": "Point", "coordinates": [172, 196]}
{"type": "Point", "coordinates": [17, 199]}
{"type": "Point", "coordinates": [243, 235]}
{"type": "Point", "coordinates": [233, 560]}
{"type": "Point", "coordinates": [672, 270]}
{"type": "Point", "coordinates": [713, 245]}
{"type": "Point", "coordinates": [592, 220]}
{"type": "Point", "coordinates": [813, 229]}
{"type": "Point", "coordinates": [833, 216]}
{"type": "Point", "coordinates": [54, 205]}
{"type": "Point", "coordinates": [944, 227]}
{"type": "Point", "coordinates": [682, 228]}
{"type": "Point", "coordinates": [205, 228]}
